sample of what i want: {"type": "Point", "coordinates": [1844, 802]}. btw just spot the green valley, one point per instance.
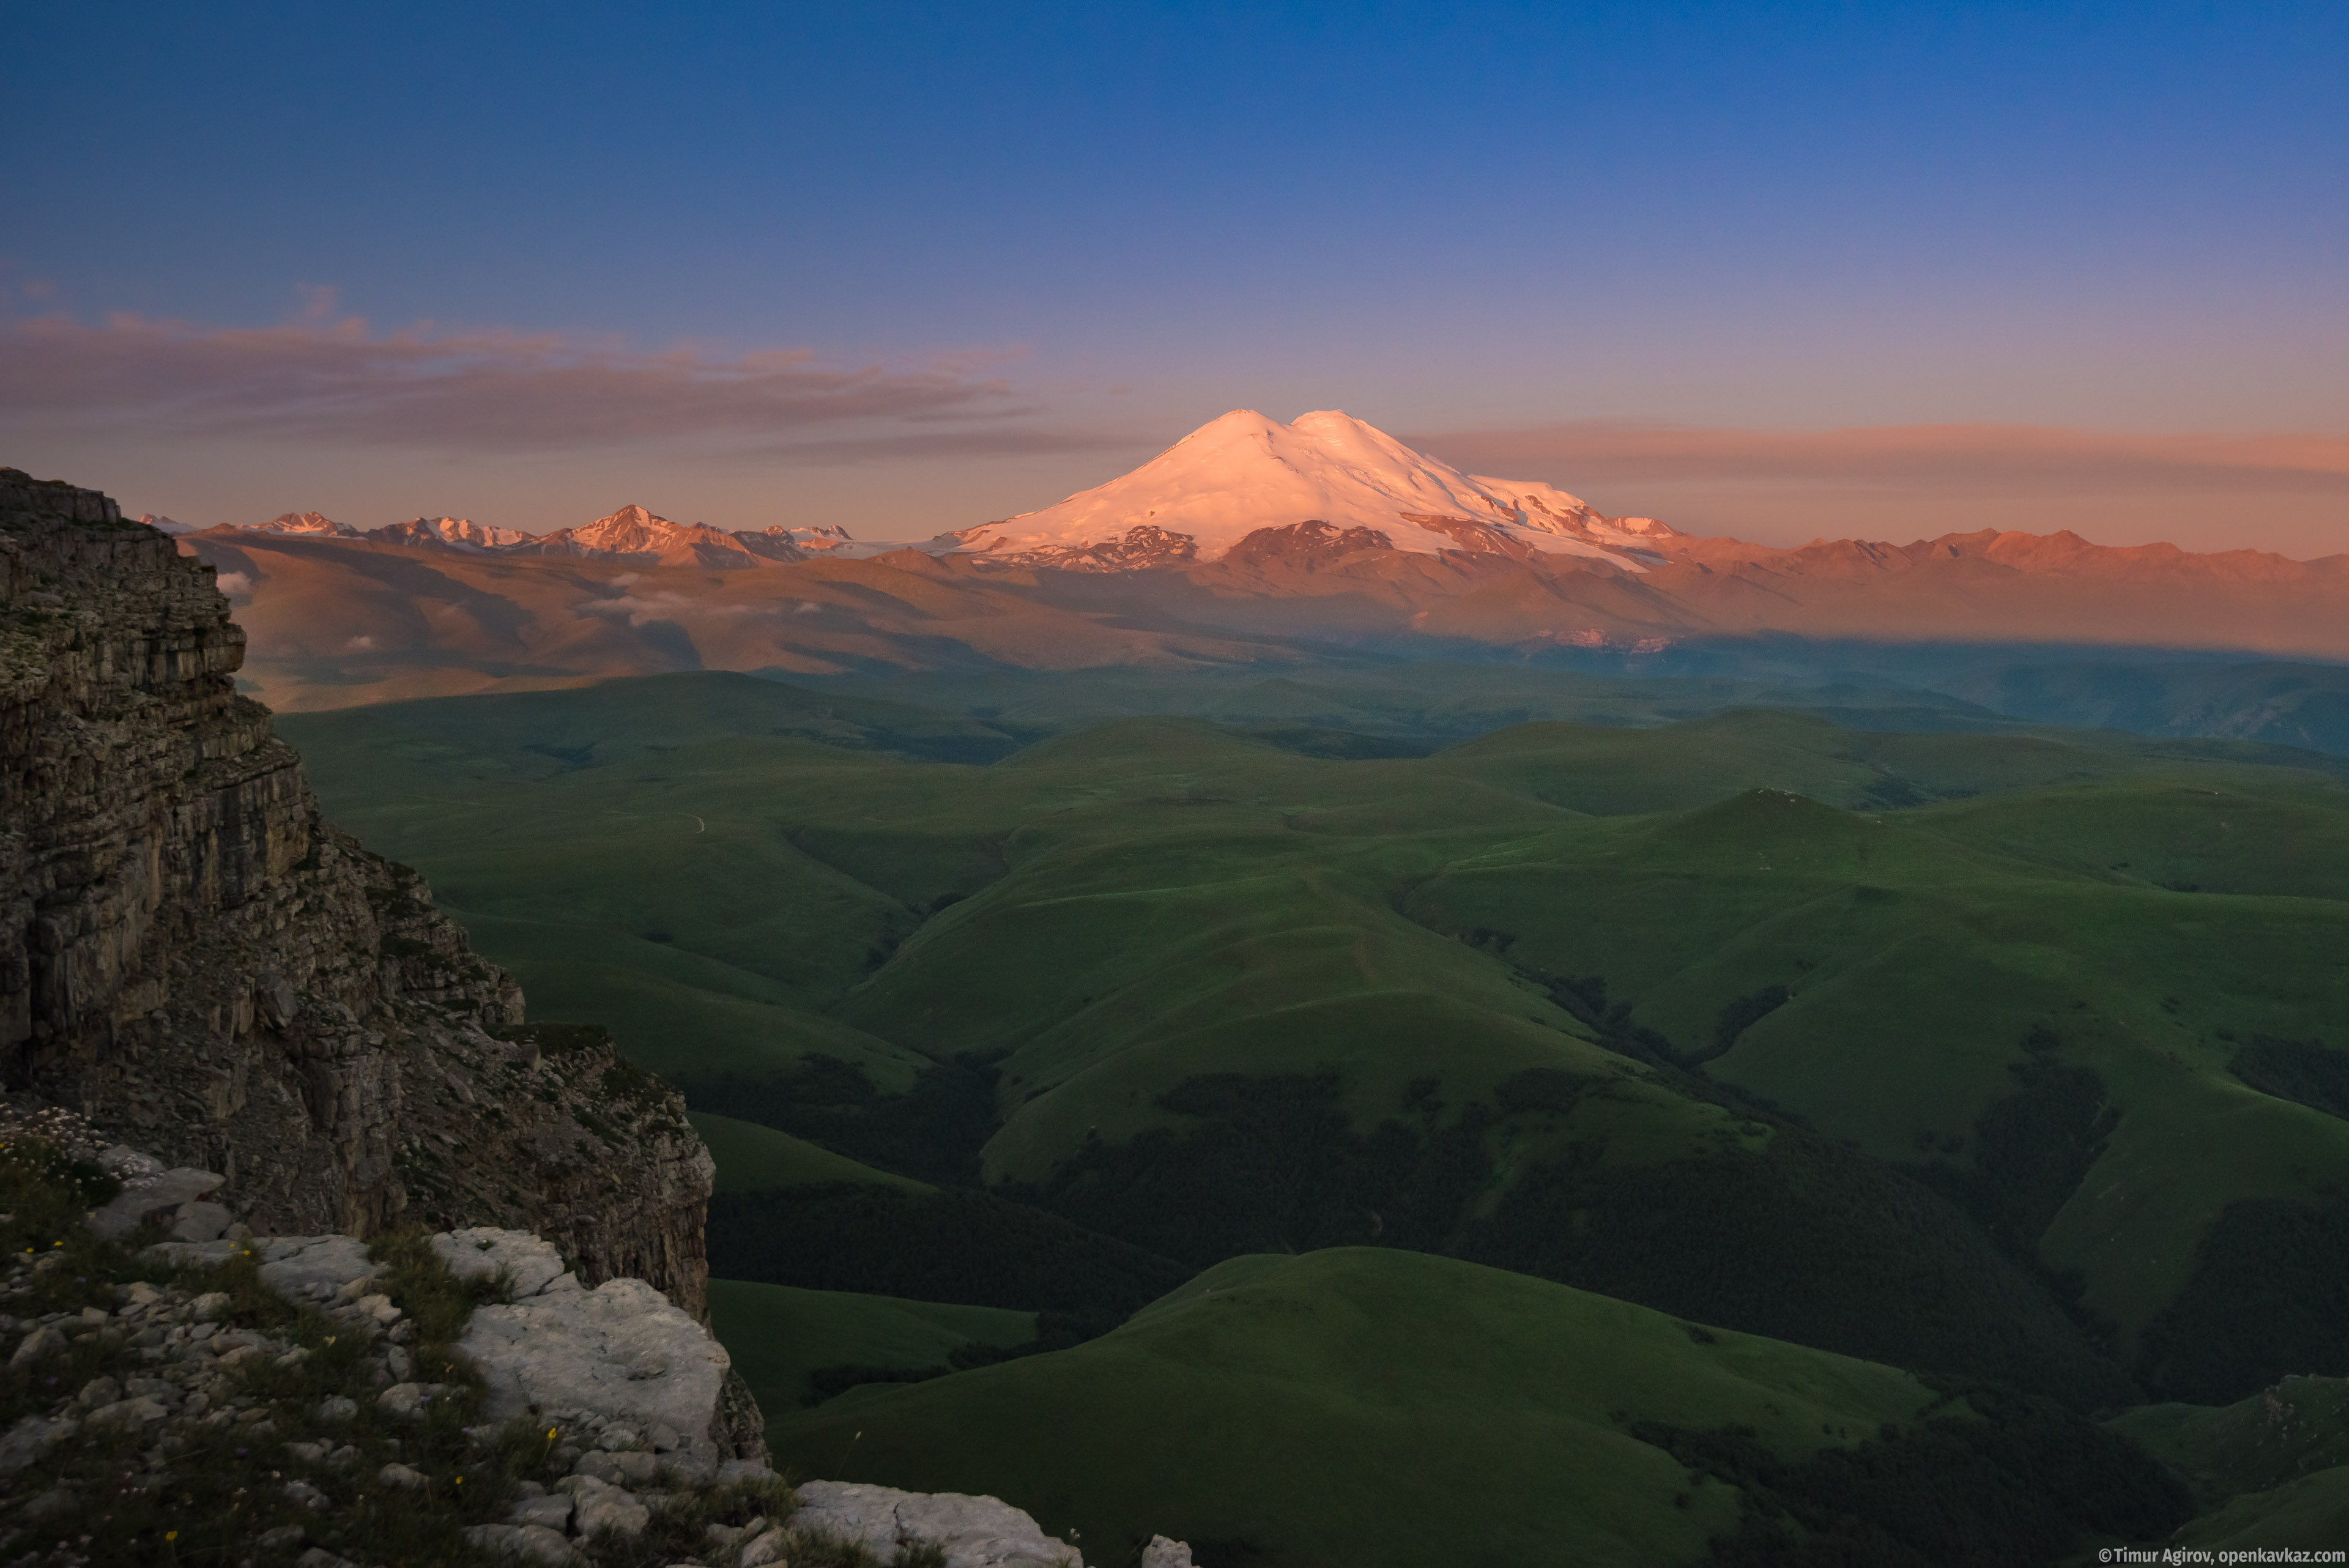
{"type": "Point", "coordinates": [2008, 1058]}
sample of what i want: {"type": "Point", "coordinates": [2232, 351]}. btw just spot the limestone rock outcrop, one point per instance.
{"type": "Point", "coordinates": [620, 1356]}
{"type": "Point", "coordinates": [620, 1352]}
{"type": "Point", "coordinates": [195, 960]}
{"type": "Point", "coordinates": [973, 1532]}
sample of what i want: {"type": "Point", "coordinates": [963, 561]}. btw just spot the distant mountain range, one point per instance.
{"type": "Point", "coordinates": [631, 534]}
{"type": "Point", "coordinates": [1249, 542]}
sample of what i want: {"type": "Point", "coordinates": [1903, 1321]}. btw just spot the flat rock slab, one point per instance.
{"type": "Point", "coordinates": [24, 1443]}
{"type": "Point", "coordinates": [531, 1262]}
{"type": "Point", "coordinates": [148, 1193]}
{"type": "Point", "coordinates": [290, 1265]}
{"type": "Point", "coordinates": [973, 1532]}
{"type": "Point", "coordinates": [623, 1351]}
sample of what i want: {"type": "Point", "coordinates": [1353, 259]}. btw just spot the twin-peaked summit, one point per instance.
{"type": "Point", "coordinates": [1246, 471]}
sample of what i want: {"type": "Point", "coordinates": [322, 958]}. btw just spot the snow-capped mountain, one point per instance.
{"type": "Point", "coordinates": [636, 533]}
{"type": "Point", "coordinates": [631, 531]}
{"type": "Point", "coordinates": [828, 544]}
{"type": "Point", "coordinates": [315, 523]}
{"type": "Point", "coordinates": [631, 534]}
{"type": "Point", "coordinates": [457, 533]}
{"type": "Point", "coordinates": [1246, 471]}
{"type": "Point", "coordinates": [166, 524]}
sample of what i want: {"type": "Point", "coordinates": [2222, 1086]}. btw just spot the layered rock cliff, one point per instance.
{"type": "Point", "coordinates": [195, 960]}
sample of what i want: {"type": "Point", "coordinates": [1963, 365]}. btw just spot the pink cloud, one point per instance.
{"type": "Point", "coordinates": [1985, 461]}
{"type": "Point", "coordinates": [319, 379]}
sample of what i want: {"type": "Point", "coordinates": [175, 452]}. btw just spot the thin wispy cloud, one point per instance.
{"type": "Point", "coordinates": [1985, 461]}
{"type": "Point", "coordinates": [934, 443]}
{"type": "Point", "coordinates": [317, 379]}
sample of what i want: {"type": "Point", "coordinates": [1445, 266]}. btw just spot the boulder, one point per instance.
{"type": "Point", "coordinates": [628, 1469]}
{"type": "Point", "coordinates": [530, 1542]}
{"type": "Point", "coordinates": [127, 1415]}
{"type": "Point", "coordinates": [973, 1532]}
{"type": "Point", "coordinates": [597, 1505]}
{"type": "Point", "coordinates": [552, 1511]}
{"type": "Point", "coordinates": [530, 1262]}
{"type": "Point", "coordinates": [764, 1551]}
{"type": "Point", "coordinates": [24, 1443]}
{"type": "Point", "coordinates": [143, 1195]}
{"type": "Point", "coordinates": [621, 1351]}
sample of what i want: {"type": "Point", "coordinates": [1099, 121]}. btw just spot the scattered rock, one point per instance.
{"type": "Point", "coordinates": [532, 1542]}
{"type": "Point", "coordinates": [402, 1476]}
{"type": "Point", "coordinates": [597, 1506]}
{"type": "Point", "coordinates": [973, 1532]}
{"type": "Point", "coordinates": [767, 1549]}
{"type": "Point", "coordinates": [144, 1195]}
{"type": "Point", "coordinates": [39, 1343]}
{"type": "Point", "coordinates": [338, 1408]}
{"type": "Point", "coordinates": [628, 1469]}
{"type": "Point", "coordinates": [1163, 1553]}
{"type": "Point", "coordinates": [401, 1398]}
{"type": "Point", "coordinates": [24, 1443]}
{"type": "Point", "coordinates": [552, 1511]}
{"type": "Point", "coordinates": [127, 1414]}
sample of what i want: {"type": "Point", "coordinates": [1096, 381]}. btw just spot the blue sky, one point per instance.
{"type": "Point", "coordinates": [1060, 236]}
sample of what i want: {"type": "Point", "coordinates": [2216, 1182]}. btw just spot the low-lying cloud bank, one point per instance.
{"type": "Point", "coordinates": [494, 392]}
{"type": "Point", "coordinates": [1986, 461]}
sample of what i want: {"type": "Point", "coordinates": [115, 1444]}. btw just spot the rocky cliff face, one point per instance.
{"type": "Point", "coordinates": [193, 959]}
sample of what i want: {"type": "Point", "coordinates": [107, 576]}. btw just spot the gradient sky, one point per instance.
{"type": "Point", "coordinates": [1777, 270]}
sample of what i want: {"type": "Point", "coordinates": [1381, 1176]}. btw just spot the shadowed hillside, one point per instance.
{"type": "Point", "coordinates": [1936, 1049]}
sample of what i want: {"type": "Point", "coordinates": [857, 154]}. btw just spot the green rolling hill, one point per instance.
{"type": "Point", "coordinates": [2006, 1055]}
{"type": "Point", "coordinates": [1375, 1407]}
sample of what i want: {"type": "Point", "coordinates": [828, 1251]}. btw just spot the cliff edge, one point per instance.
{"type": "Point", "coordinates": [195, 960]}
